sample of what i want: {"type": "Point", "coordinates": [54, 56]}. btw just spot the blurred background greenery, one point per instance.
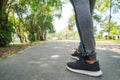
{"type": "Point", "coordinates": [27, 21]}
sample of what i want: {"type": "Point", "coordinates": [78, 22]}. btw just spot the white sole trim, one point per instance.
{"type": "Point", "coordinates": [90, 73]}
{"type": "Point", "coordinates": [75, 57]}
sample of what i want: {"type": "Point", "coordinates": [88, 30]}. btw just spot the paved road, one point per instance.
{"type": "Point", "coordinates": [47, 61]}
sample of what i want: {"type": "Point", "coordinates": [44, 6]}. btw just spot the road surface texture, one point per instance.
{"type": "Point", "coordinates": [47, 61]}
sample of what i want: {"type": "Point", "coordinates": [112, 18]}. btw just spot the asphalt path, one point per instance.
{"type": "Point", "coordinates": [47, 61]}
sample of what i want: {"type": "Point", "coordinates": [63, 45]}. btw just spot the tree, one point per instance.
{"type": "Point", "coordinates": [109, 6]}
{"type": "Point", "coordinates": [43, 16]}
{"type": "Point", "coordinates": [6, 29]}
{"type": "Point", "coordinates": [27, 16]}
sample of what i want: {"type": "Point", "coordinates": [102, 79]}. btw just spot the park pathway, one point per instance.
{"type": "Point", "coordinates": [47, 61]}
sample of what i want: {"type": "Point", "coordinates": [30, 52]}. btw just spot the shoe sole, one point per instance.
{"type": "Point", "coordinates": [90, 73]}
{"type": "Point", "coordinates": [74, 57]}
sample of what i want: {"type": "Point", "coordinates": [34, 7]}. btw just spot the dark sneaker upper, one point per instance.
{"type": "Point", "coordinates": [76, 55]}
{"type": "Point", "coordinates": [81, 66]}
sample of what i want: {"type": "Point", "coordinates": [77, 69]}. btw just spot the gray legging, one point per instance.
{"type": "Point", "coordinates": [83, 13]}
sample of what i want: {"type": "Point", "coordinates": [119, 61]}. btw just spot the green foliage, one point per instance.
{"type": "Point", "coordinates": [32, 16]}
{"type": "Point", "coordinates": [115, 30]}
{"type": "Point", "coordinates": [97, 17]}
{"type": "Point", "coordinates": [6, 34]}
{"type": "Point", "coordinates": [6, 28]}
{"type": "Point", "coordinates": [104, 5]}
{"type": "Point", "coordinates": [41, 17]}
{"type": "Point", "coordinates": [31, 37]}
{"type": "Point", "coordinates": [71, 22]}
{"type": "Point", "coordinates": [105, 20]}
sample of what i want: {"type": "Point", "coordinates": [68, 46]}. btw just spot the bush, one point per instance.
{"type": "Point", "coordinates": [6, 34]}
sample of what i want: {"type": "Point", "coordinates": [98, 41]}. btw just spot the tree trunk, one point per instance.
{"type": "Point", "coordinates": [19, 33]}
{"type": "Point", "coordinates": [109, 21]}
{"type": "Point", "coordinates": [44, 35]}
{"type": "Point", "coordinates": [41, 38]}
{"type": "Point", "coordinates": [38, 33]}
{"type": "Point", "coordinates": [21, 39]}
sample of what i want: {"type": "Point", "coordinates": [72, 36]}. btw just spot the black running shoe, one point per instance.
{"type": "Point", "coordinates": [81, 66]}
{"type": "Point", "coordinates": [76, 55]}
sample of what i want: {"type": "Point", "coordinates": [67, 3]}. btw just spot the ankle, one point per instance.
{"type": "Point", "coordinates": [78, 51]}
{"type": "Point", "coordinates": [90, 61]}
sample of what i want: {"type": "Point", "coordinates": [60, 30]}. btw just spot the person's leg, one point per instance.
{"type": "Point", "coordinates": [77, 53]}
{"type": "Point", "coordinates": [92, 4]}
{"type": "Point", "coordinates": [85, 28]}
